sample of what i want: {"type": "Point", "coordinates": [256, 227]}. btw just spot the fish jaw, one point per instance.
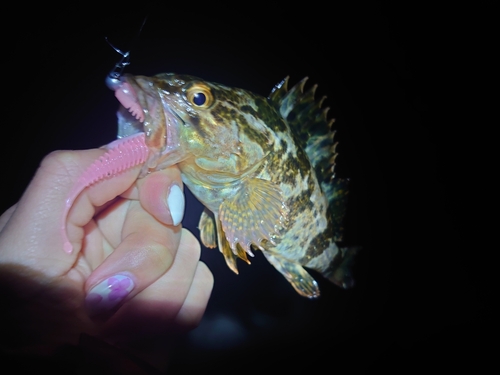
{"type": "Point", "coordinates": [144, 110]}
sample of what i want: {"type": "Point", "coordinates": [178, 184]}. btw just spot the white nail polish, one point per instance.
{"type": "Point", "coordinates": [176, 204]}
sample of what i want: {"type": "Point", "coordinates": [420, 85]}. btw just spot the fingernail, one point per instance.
{"type": "Point", "coordinates": [109, 293]}
{"type": "Point", "coordinates": [176, 204]}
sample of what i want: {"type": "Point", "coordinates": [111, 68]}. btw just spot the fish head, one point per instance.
{"type": "Point", "coordinates": [191, 121]}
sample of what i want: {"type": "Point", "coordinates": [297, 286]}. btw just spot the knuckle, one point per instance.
{"type": "Point", "coordinates": [56, 160]}
{"type": "Point", "coordinates": [159, 255]}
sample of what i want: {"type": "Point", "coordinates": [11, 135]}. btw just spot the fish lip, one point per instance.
{"type": "Point", "coordinates": [172, 120]}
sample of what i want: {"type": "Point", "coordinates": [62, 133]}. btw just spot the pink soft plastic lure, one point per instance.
{"type": "Point", "coordinates": [122, 155]}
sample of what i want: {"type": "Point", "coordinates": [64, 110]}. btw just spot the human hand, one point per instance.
{"type": "Point", "coordinates": [123, 235]}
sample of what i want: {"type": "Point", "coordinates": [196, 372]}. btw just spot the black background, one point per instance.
{"type": "Point", "coordinates": [420, 301]}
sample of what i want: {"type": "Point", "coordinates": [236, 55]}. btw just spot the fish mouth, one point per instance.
{"type": "Point", "coordinates": [143, 110]}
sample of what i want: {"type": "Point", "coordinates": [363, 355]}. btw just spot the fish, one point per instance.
{"type": "Point", "coordinates": [263, 168]}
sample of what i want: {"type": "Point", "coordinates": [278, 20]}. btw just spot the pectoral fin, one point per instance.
{"type": "Point", "coordinates": [257, 212]}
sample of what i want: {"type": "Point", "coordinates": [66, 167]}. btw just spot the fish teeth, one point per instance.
{"type": "Point", "coordinates": [135, 113]}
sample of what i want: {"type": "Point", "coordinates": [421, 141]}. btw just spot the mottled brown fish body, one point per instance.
{"type": "Point", "coordinates": [262, 167]}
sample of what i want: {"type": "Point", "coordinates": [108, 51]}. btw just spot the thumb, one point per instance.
{"type": "Point", "coordinates": [33, 235]}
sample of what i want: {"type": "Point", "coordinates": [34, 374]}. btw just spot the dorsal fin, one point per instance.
{"type": "Point", "coordinates": [309, 124]}
{"type": "Point", "coordinates": [313, 132]}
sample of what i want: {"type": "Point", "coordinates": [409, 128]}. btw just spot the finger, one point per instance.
{"type": "Point", "coordinates": [161, 195]}
{"type": "Point", "coordinates": [5, 217]}
{"type": "Point", "coordinates": [33, 239]}
{"type": "Point", "coordinates": [145, 250]}
{"type": "Point", "coordinates": [94, 197]}
{"type": "Point", "coordinates": [194, 306]}
{"type": "Point", "coordinates": [153, 311]}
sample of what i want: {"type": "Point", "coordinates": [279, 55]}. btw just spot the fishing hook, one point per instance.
{"type": "Point", "coordinates": [113, 79]}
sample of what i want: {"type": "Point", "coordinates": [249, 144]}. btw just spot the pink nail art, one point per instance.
{"type": "Point", "coordinates": [109, 293]}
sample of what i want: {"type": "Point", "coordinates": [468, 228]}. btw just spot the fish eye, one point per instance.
{"type": "Point", "coordinates": [200, 96]}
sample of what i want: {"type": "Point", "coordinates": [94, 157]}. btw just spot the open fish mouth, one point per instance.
{"type": "Point", "coordinates": [132, 112]}
{"type": "Point", "coordinates": [143, 110]}
{"type": "Point", "coordinates": [128, 124]}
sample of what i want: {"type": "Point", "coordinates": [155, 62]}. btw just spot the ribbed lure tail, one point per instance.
{"type": "Point", "coordinates": [123, 154]}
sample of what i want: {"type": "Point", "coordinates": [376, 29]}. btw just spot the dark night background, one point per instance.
{"type": "Point", "coordinates": [419, 301]}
